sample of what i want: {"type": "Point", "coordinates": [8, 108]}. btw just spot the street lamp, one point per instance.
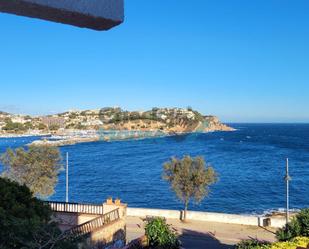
{"type": "Point", "coordinates": [287, 178]}
{"type": "Point", "coordinates": [67, 179]}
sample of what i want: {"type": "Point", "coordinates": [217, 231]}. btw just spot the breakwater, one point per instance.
{"type": "Point", "coordinates": [76, 137]}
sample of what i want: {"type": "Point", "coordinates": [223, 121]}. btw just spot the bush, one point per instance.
{"type": "Point", "coordinates": [28, 126]}
{"type": "Point", "coordinates": [255, 244]}
{"type": "Point", "coordinates": [252, 244]}
{"type": "Point", "coordinates": [299, 226]}
{"type": "Point", "coordinates": [54, 127]}
{"type": "Point", "coordinates": [303, 220]}
{"type": "Point", "coordinates": [293, 244]}
{"type": "Point", "coordinates": [290, 231]}
{"type": "Point", "coordinates": [41, 126]}
{"type": "Point", "coordinates": [11, 126]}
{"type": "Point", "coordinates": [160, 235]}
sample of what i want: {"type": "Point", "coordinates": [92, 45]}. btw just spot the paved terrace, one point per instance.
{"type": "Point", "coordinates": [205, 235]}
{"type": "Point", "coordinates": [110, 218]}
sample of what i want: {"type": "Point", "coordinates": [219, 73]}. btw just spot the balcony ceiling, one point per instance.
{"type": "Point", "coordinates": [92, 14]}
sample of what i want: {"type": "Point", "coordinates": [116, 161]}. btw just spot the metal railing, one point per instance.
{"type": "Point", "coordinates": [75, 208]}
{"type": "Point", "coordinates": [94, 224]}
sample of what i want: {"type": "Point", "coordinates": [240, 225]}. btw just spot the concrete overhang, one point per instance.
{"type": "Point", "coordinates": [93, 14]}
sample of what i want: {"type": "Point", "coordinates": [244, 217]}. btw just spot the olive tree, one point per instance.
{"type": "Point", "coordinates": [37, 167]}
{"type": "Point", "coordinates": [189, 178]}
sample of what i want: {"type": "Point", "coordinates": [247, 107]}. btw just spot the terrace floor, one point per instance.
{"type": "Point", "coordinates": [204, 235]}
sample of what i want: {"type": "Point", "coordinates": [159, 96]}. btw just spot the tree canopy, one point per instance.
{"type": "Point", "coordinates": [20, 213]}
{"type": "Point", "coordinates": [25, 221]}
{"type": "Point", "coordinates": [37, 167]}
{"type": "Point", "coordinates": [189, 178]}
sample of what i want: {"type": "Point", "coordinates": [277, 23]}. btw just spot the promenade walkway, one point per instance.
{"type": "Point", "coordinates": [204, 235]}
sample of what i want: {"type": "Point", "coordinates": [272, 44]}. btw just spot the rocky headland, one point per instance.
{"type": "Point", "coordinates": [108, 124]}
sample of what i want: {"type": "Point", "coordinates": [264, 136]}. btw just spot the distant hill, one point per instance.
{"type": "Point", "coordinates": [168, 120]}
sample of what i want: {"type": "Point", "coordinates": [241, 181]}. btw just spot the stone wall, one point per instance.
{"type": "Point", "coordinates": [109, 235]}
{"type": "Point", "coordinates": [103, 237]}
{"type": "Point", "coordinates": [67, 221]}
{"type": "Point", "coordinates": [111, 205]}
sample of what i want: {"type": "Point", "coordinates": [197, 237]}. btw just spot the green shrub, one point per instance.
{"type": "Point", "coordinates": [11, 126]}
{"type": "Point", "coordinates": [41, 126]}
{"type": "Point", "coordinates": [54, 127]}
{"type": "Point", "coordinates": [160, 235]}
{"type": "Point", "coordinates": [298, 242]}
{"type": "Point", "coordinates": [290, 231]}
{"type": "Point", "coordinates": [303, 220]}
{"type": "Point", "coordinates": [253, 244]}
{"type": "Point", "coordinates": [299, 226]}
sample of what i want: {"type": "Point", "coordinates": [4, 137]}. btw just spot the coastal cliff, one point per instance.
{"type": "Point", "coordinates": [168, 120]}
{"type": "Point", "coordinates": [102, 124]}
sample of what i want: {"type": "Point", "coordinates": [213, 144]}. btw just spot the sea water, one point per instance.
{"type": "Point", "coordinates": [250, 162]}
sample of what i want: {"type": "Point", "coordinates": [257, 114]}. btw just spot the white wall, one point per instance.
{"type": "Point", "coordinates": [206, 216]}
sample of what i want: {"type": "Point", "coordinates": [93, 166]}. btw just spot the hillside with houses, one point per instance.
{"type": "Point", "coordinates": [167, 121]}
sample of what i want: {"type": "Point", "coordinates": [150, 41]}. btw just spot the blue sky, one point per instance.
{"type": "Point", "coordinates": [244, 61]}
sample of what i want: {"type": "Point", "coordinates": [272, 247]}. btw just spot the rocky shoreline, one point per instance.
{"type": "Point", "coordinates": [64, 140]}
{"type": "Point", "coordinates": [95, 136]}
{"type": "Point", "coordinates": [71, 137]}
{"type": "Point", "coordinates": [12, 135]}
{"type": "Point", "coordinates": [75, 137]}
